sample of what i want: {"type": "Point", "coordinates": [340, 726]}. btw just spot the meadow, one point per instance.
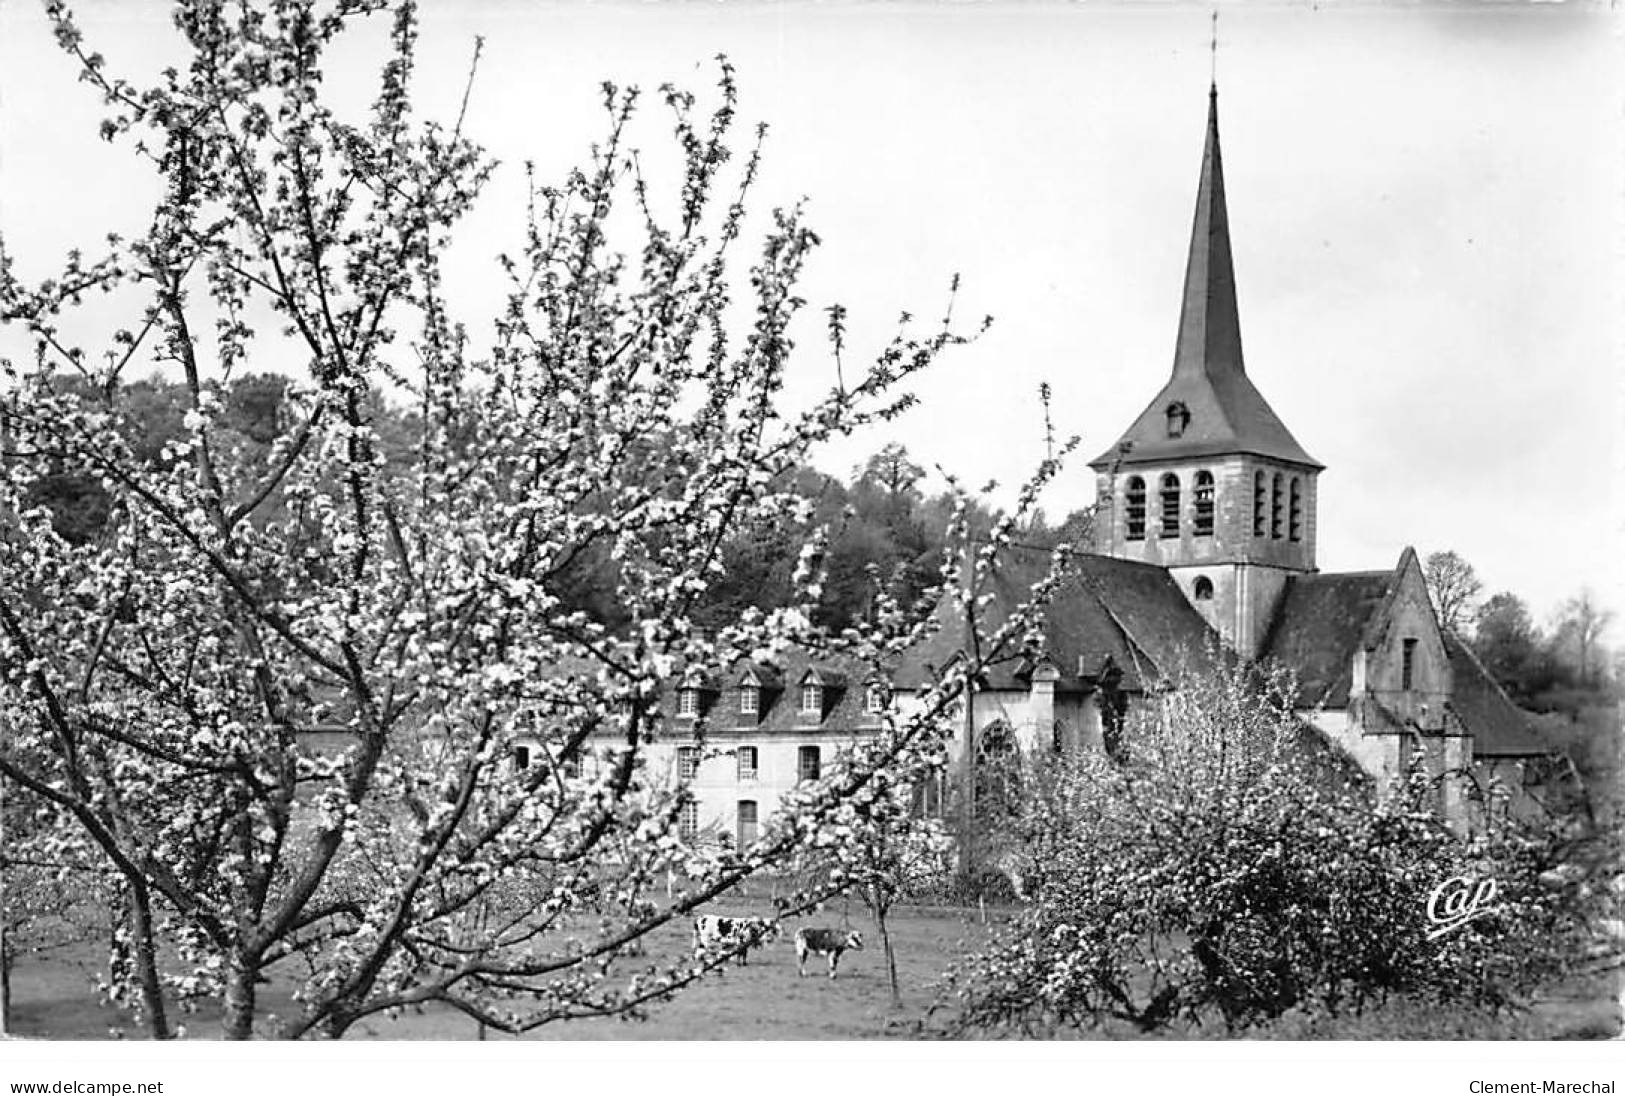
{"type": "Point", "coordinates": [53, 997]}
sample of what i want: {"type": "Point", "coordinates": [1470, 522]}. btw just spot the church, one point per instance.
{"type": "Point", "coordinates": [1205, 524]}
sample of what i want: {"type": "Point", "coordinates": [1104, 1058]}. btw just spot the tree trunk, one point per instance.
{"type": "Point", "coordinates": [238, 1022]}
{"type": "Point", "coordinates": [145, 958]}
{"type": "Point", "coordinates": [5, 940]}
{"type": "Point", "coordinates": [5, 981]}
{"type": "Point", "coordinates": [879, 908]}
{"type": "Point", "coordinates": [967, 749]}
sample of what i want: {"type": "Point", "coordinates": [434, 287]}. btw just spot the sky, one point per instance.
{"type": "Point", "coordinates": [1425, 209]}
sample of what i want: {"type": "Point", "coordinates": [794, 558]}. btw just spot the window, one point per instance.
{"type": "Point", "coordinates": [521, 757]}
{"type": "Point", "coordinates": [750, 700]}
{"type": "Point", "coordinates": [688, 762]}
{"type": "Point", "coordinates": [1179, 417]}
{"type": "Point", "coordinates": [1170, 505]}
{"type": "Point", "coordinates": [807, 767]}
{"type": "Point", "coordinates": [812, 699]}
{"type": "Point", "coordinates": [1275, 506]}
{"type": "Point", "coordinates": [747, 762]}
{"type": "Point", "coordinates": [874, 698]}
{"type": "Point", "coordinates": [1295, 513]}
{"type": "Point", "coordinates": [1203, 493]}
{"type": "Point", "coordinates": [688, 820]}
{"type": "Point", "coordinates": [1407, 669]}
{"type": "Point", "coordinates": [928, 798]}
{"type": "Point", "coordinates": [1135, 508]}
{"type": "Point", "coordinates": [998, 772]}
{"type": "Point", "coordinates": [688, 702]}
{"type": "Point", "coordinates": [1259, 493]}
{"type": "Point", "coordinates": [747, 823]}
{"type": "Point", "coordinates": [1202, 589]}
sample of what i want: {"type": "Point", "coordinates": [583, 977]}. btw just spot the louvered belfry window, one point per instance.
{"type": "Point", "coordinates": [1170, 505]}
{"type": "Point", "coordinates": [1203, 493]}
{"type": "Point", "coordinates": [1134, 508]}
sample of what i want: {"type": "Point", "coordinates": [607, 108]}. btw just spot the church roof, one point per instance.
{"type": "Point", "coordinates": [1222, 411]}
{"type": "Point", "coordinates": [1131, 613]}
{"type": "Point", "coordinates": [1320, 621]}
{"type": "Point", "coordinates": [1143, 610]}
{"type": "Point", "coordinates": [1498, 726]}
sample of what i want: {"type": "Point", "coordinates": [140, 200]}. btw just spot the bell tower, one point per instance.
{"type": "Point", "coordinates": [1207, 481]}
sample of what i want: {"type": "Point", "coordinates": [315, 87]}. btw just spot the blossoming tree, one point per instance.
{"type": "Point", "coordinates": [274, 698]}
{"type": "Point", "coordinates": [1233, 866]}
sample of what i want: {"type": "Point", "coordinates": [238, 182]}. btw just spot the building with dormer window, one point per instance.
{"type": "Point", "coordinates": [1205, 542]}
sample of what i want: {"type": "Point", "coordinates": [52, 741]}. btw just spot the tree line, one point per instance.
{"type": "Point", "coordinates": [1563, 668]}
{"type": "Point", "coordinates": [884, 525]}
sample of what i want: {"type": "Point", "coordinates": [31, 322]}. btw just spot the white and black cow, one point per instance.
{"type": "Point", "coordinates": [737, 934]}
{"type": "Point", "coordinates": [830, 942]}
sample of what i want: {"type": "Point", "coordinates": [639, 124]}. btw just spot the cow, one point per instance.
{"type": "Point", "coordinates": [736, 934]}
{"type": "Point", "coordinates": [830, 942]}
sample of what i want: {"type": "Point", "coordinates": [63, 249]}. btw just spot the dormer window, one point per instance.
{"type": "Point", "coordinates": [1179, 417]}
{"type": "Point", "coordinates": [812, 698]}
{"type": "Point", "coordinates": [688, 702]}
{"type": "Point", "coordinates": [750, 700]}
{"type": "Point", "coordinates": [874, 699]}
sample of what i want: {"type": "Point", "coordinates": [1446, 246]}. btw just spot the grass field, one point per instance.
{"type": "Point", "coordinates": [54, 998]}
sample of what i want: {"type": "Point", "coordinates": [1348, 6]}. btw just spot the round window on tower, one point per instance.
{"type": "Point", "coordinates": [1202, 590]}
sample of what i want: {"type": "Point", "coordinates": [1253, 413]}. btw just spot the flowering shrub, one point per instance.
{"type": "Point", "coordinates": [275, 691]}
{"type": "Point", "coordinates": [1237, 867]}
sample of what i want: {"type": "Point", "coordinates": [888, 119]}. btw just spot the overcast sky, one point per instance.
{"type": "Point", "coordinates": [1425, 206]}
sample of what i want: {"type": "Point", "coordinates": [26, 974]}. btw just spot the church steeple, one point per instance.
{"type": "Point", "coordinates": [1209, 406]}
{"type": "Point", "coordinates": [1209, 327]}
{"type": "Point", "coordinates": [1207, 481]}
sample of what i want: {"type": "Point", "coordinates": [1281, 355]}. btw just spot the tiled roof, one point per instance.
{"type": "Point", "coordinates": [1499, 728]}
{"type": "Point", "coordinates": [1318, 626]}
{"type": "Point", "coordinates": [1131, 613]}
{"type": "Point", "coordinates": [779, 704]}
{"type": "Point", "coordinates": [1147, 606]}
{"type": "Point", "coordinates": [1227, 415]}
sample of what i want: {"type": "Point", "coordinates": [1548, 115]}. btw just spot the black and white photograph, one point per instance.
{"type": "Point", "coordinates": [720, 525]}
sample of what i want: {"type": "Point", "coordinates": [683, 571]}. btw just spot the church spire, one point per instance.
{"type": "Point", "coordinates": [1209, 329]}
{"type": "Point", "coordinates": [1209, 406]}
